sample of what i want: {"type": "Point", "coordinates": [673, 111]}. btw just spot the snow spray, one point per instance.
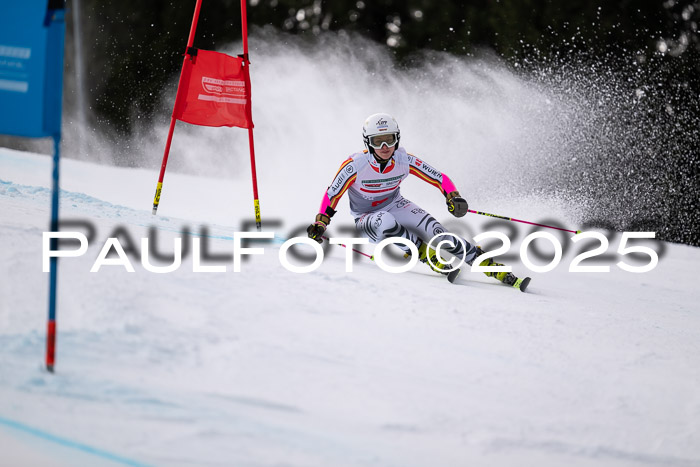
{"type": "Point", "coordinates": [594, 144]}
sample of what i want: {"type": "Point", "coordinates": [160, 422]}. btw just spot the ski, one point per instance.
{"type": "Point", "coordinates": [452, 275]}
{"type": "Point", "coordinates": [520, 284]}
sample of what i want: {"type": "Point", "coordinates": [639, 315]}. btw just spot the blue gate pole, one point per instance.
{"type": "Point", "coordinates": [53, 274]}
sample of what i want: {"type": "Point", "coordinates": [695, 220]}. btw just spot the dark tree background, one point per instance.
{"type": "Point", "coordinates": [135, 45]}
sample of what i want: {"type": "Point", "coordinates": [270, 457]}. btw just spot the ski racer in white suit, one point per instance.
{"type": "Point", "coordinates": [372, 179]}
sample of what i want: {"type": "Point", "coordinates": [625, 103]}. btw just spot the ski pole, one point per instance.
{"type": "Point", "coordinates": [524, 222]}
{"type": "Point", "coordinates": [356, 251]}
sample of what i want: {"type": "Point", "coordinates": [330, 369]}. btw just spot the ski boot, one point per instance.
{"type": "Point", "coordinates": [507, 278]}
{"type": "Point", "coordinates": [437, 264]}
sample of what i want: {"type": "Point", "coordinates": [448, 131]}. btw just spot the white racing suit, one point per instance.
{"type": "Point", "coordinates": [377, 205]}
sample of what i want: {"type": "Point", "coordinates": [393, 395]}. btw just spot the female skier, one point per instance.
{"type": "Point", "coordinates": [372, 180]}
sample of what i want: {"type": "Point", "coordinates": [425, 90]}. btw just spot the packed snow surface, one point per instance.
{"type": "Point", "coordinates": [267, 367]}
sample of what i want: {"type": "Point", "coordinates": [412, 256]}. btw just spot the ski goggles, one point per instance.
{"type": "Point", "coordinates": [377, 141]}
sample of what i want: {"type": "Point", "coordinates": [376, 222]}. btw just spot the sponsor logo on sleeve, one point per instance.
{"type": "Point", "coordinates": [339, 182]}
{"type": "Point", "coordinates": [435, 173]}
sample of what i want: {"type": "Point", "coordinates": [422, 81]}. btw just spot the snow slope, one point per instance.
{"type": "Point", "coordinates": [267, 367]}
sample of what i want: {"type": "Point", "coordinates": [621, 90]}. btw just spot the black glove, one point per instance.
{"type": "Point", "coordinates": [457, 205]}
{"type": "Point", "coordinates": [317, 229]}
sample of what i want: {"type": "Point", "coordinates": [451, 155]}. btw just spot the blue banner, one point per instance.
{"type": "Point", "coordinates": [31, 67]}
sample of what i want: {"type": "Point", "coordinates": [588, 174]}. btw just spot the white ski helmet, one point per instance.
{"type": "Point", "coordinates": [376, 127]}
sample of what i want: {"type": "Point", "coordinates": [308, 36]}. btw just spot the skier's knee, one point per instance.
{"type": "Point", "coordinates": [458, 247]}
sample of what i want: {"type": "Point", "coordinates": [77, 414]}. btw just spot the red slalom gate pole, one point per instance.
{"type": "Point", "coordinates": [249, 112]}
{"type": "Point", "coordinates": [524, 222]}
{"type": "Point", "coordinates": [190, 42]}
